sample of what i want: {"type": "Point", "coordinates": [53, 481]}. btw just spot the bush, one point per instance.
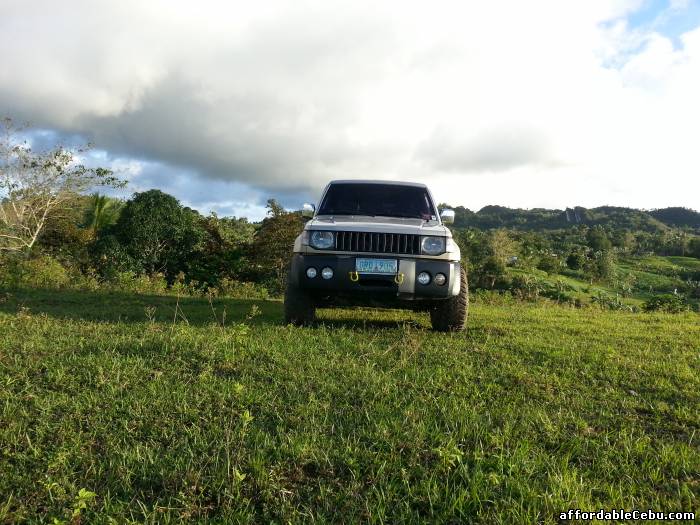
{"type": "Point", "coordinates": [143, 284]}
{"type": "Point", "coordinates": [665, 303]}
{"type": "Point", "coordinates": [242, 289]}
{"type": "Point", "coordinates": [526, 287]}
{"type": "Point", "coordinates": [576, 260]}
{"type": "Point", "coordinates": [549, 263]}
{"type": "Point", "coordinates": [40, 272]}
{"type": "Point", "coordinates": [607, 302]}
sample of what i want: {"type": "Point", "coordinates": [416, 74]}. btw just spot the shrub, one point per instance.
{"type": "Point", "coordinates": [549, 263]}
{"type": "Point", "coordinates": [40, 272]}
{"type": "Point", "coordinates": [576, 260]}
{"type": "Point", "coordinates": [607, 302]}
{"type": "Point", "coordinates": [493, 297]}
{"type": "Point", "coordinates": [527, 288]}
{"type": "Point", "coordinates": [242, 289]}
{"type": "Point", "coordinates": [665, 303]}
{"type": "Point", "coordinates": [143, 284]}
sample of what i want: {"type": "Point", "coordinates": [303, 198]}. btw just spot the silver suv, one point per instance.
{"type": "Point", "coordinates": [377, 243]}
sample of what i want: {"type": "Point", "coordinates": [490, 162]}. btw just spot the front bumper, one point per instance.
{"type": "Point", "coordinates": [403, 286]}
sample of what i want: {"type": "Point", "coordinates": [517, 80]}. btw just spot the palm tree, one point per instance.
{"type": "Point", "coordinates": [102, 211]}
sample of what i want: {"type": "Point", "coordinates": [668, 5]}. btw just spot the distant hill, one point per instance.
{"type": "Point", "coordinates": [677, 217]}
{"type": "Point", "coordinates": [543, 219]}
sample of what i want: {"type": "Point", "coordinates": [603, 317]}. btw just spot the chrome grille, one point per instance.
{"type": "Point", "coordinates": [377, 242]}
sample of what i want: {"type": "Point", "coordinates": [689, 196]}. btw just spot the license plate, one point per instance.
{"type": "Point", "coordinates": [381, 266]}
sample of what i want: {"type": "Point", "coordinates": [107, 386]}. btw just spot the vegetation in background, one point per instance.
{"type": "Point", "coordinates": [155, 234]}
{"type": "Point", "coordinates": [37, 185]}
{"type": "Point", "coordinates": [151, 242]}
{"type": "Point", "coordinates": [608, 217]}
{"type": "Point", "coordinates": [271, 249]}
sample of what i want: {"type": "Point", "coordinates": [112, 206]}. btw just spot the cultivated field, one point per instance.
{"type": "Point", "coordinates": [218, 411]}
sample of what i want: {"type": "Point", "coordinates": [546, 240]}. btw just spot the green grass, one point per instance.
{"type": "Point", "coordinates": [648, 276]}
{"type": "Point", "coordinates": [536, 410]}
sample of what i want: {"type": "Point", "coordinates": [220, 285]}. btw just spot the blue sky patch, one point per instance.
{"type": "Point", "coordinates": [668, 18]}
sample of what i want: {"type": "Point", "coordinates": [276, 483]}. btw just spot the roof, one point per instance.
{"type": "Point", "coordinates": [375, 181]}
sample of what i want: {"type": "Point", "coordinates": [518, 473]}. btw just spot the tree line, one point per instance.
{"type": "Point", "coordinates": [49, 224]}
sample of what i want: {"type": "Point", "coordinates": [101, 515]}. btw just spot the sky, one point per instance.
{"type": "Point", "coordinates": [226, 104]}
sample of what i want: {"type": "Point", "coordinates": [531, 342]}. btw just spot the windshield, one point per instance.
{"type": "Point", "coordinates": [388, 200]}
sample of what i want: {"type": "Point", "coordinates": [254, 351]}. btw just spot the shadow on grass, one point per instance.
{"type": "Point", "coordinates": [123, 307]}
{"type": "Point", "coordinates": [369, 323]}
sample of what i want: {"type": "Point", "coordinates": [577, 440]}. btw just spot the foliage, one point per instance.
{"type": "Point", "coordinates": [665, 303]}
{"type": "Point", "coordinates": [222, 254]}
{"type": "Point", "coordinates": [158, 234]}
{"type": "Point", "coordinates": [41, 272]}
{"type": "Point", "coordinates": [608, 302]}
{"type": "Point", "coordinates": [130, 281]}
{"type": "Point", "coordinates": [241, 290]}
{"type": "Point", "coordinates": [597, 239]}
{"type": "Point", "coordinates": [502, 245]}
{"type": "Point", "coordinates": [37, 184]}
{"type": "Point", "coordinates": [102, 212]}
{"type": "Point", "coordinates": [549, 263]}
{"type": "Point", "coordinates": [272, 246]}
{"type": "Point", "coordinates": [602, 265]}
{"type": "Point", "coordinates": [63, 238]}
{"type": "Point", "coordinates": [677, 216]}
{"type": "Point", "coordinates": [608, 217]}
{"type": "Point", "coordinates": [491, 271]}
{"type": "Point", "coordinates": [694, 247]}
{"type": "Point", "coordinates": [576, 260]}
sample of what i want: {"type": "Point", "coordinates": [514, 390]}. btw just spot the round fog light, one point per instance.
{"type": "Point", "coordinates": [440, 279]}
{"type": "Point", "coordinates": [311, 272]}
{"type": "Point", "coordinates": [424, 277]}
{"type": "Point", "coordinates": [327, 273]}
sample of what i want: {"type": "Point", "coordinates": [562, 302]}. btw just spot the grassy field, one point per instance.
{"type": "Point", "coordinates": [647, 276]}
{"type": "Point", "coordinates": [162, 413]}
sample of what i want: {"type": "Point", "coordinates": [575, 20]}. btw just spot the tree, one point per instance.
{"type": "Point", "coordinates": [271, 250]}
{"type": "Point", "coordinates": [549, 263]}
{"type": "Point", "coordinates": [694, 247]}
{"type": "Point", "coordinates": [102, 212]}
{"type": "Point", "coordinates": [492, 270]}
{"type": "Point", "coordinates": [222, 253]}
{"type": "Point", "coordinates": [37, 184]}
{"type": "Point", "coordinates": [63, 236]}
{"type": "Point", "coordinates": [576, 260]}
{"type": "Point", "coordinates": [158, 233]}
{"type": "Point", "coordinates": [598, 240]}
{"type": "Point", "coordinates": [502, 246]}
{"type": "Point", "coordinates": [602, 265]}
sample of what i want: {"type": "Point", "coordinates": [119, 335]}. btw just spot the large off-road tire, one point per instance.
{"type": "Point", "coordinates": [451, 314]}
{"type": "Point", "coordinates": [299, 309]}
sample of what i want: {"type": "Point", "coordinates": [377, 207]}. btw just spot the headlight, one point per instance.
{"type": "Point", "coordinates": [433, 245]}
{"type": "Point", "coordinates": [321, 240]}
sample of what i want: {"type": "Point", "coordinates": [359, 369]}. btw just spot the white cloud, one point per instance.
{"type": "Point", "coordinates": [543, 103]}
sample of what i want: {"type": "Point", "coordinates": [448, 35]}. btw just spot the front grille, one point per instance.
{"type": "Point", "coordinates": [377, 242]}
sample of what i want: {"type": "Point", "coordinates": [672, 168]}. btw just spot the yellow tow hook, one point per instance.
{"type": "Point", "coordinates": [398, 278]}
{"type": "Point", "coordinates": [354, 276]}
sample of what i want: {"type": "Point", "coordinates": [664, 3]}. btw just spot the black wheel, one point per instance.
{"type": "Point", "coordinates": [299, 309]}
{"type": "Point", "coordinates": [451, 315]}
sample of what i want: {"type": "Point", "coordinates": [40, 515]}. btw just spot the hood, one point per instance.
{"type": "Point", "coordinates": [377, 225]}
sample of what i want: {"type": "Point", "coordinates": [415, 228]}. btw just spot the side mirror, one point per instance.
{"type": "Point", "coordinates": [308, 210]}
{"type": "Point", "coordinates": [447, 216]}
